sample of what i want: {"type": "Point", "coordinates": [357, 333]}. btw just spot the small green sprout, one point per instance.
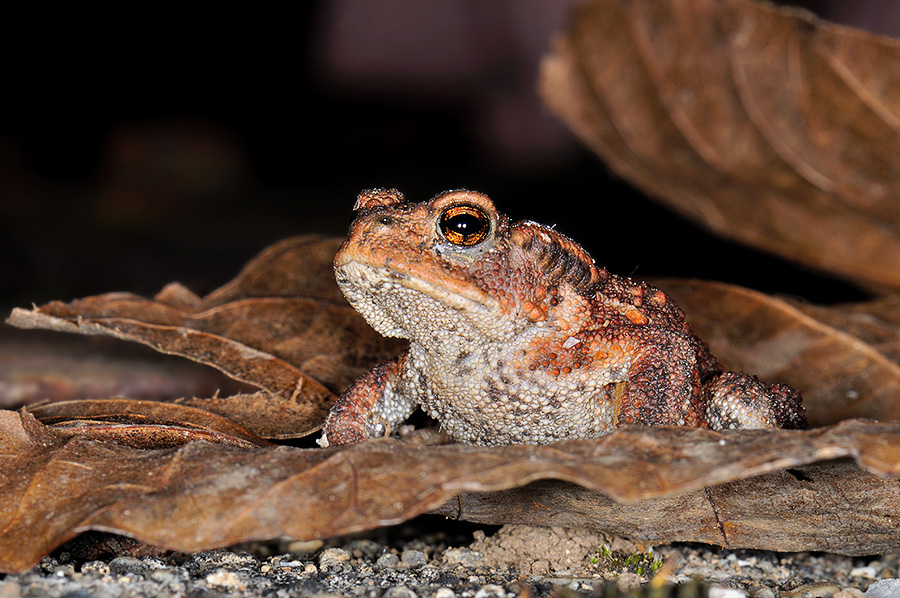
{"type": "Point", "coordinates": [612, 563]}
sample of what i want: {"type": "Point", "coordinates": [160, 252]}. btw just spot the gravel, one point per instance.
{"type": "Point", "coordinates": [431, 557]}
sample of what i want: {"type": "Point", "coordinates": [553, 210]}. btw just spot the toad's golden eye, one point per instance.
{"type": "Point", "coordinates": [465, 225]}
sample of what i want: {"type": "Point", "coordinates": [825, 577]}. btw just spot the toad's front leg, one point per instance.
{"type": "Point", "coordinates": [370, 407]}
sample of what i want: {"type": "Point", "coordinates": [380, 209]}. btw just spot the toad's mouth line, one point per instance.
{"type": "Point", "coordinates": [464, 298]}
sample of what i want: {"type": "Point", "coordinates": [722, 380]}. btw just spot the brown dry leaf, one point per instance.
{"type": "Point", "coordinates": [840, 374]}
{"type": "Point", "coordinates": [142, 424]}
{"type": "Point", "coordinates": [272, 417]}
{"type": "Point", "coordinates": [202, 495]}
{"type": "Point", "coordinates": [280, 326]}
{"type": "Point", "coordinates": [876, 322]}
{"type": "Point", "coordinates": [36, 367]}
{"type": "Point", "coordinates": [763, 123]}
{"type": "Point", "coordinates": [816, 507]}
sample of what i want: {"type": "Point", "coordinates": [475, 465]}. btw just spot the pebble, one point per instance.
{"type": "Point", "coordinates": [98, 568]}
{"type": "Point", "coordinates": [413, 558]}
{"type": "Point", "coordinates": [165, 575]}
{"type": "Point", "coordinates": [444, 593]}
{"type": "Point", "coordinates": [333, 557]}
{"type": "Point", "coordinates": [463, 556]}
{"type": "Point", "coordinates": [365, 548]}
{"type": "Point", "coordinates": [886, 588]}
{"type": "Point", "coordinates": [399, 592]}
{"type": "Point", "coordinates": [128, 565]}
{"type": "Point", "coordinates": [302, 548]}
{"type": "Point", "coordinates": [387, 561]}
{"type": "Point", "coordinates": [213, 559]}
{"type": "Point", "coordinates": [815, 589]}
{"type": "Point", "coordinates": [490, 591]}
{"type": "Point", "coordinates": [225, 579]}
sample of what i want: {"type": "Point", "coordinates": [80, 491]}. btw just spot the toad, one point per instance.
{"type": "Point", "coordinates": [516, 336]}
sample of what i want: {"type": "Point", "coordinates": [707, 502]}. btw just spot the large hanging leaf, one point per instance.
{"type": "Point", "coordinates": [763, 123]}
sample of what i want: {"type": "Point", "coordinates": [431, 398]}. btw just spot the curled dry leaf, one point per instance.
{"type": "Point", "coordinates": [142, 424]}
{"type": "Point", "coordinates": [36, 367]}
{"type": "Point", "coordinates": [840, 375]}
{"type": "Point", "coordinates": [202, 495]}
{"type": "Point", "coordinates": [763, 123]}
{"type": "Point", "coordinates": [278, 326]}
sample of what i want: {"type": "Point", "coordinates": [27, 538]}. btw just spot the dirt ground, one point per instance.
{"type": "Point", "coordinates": [431, 556]}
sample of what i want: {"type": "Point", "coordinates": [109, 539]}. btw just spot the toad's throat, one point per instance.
{"type": "Point", "coordinates": [358, 275]}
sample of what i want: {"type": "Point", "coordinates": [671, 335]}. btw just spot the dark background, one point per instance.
{"type": "Point", "coordinates": [141, 148]}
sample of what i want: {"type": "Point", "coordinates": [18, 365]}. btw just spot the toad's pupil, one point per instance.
{"type": "Point", "coordinates": [464, 226]}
